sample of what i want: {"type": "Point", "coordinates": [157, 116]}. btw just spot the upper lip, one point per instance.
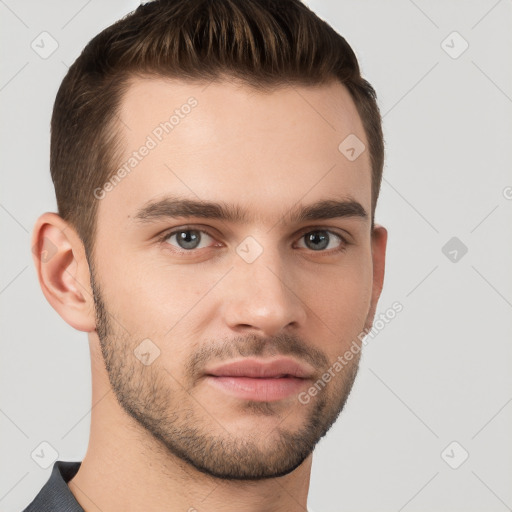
{"type": "Point", "coordinates": [261, 368]}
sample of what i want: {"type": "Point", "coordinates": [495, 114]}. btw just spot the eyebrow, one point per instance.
{"type": "Point", "coordinates": [176, 207]}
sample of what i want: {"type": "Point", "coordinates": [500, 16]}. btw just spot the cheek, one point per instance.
{"type": "Point", "coordinates": [155, 296]}
{"type": "Point", "coordinates": [341, 296]}
{"type": "Point", "coordinates": [150, 296]}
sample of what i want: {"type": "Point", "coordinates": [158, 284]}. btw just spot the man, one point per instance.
{"type": "Point", "coordinates": [217, 166]}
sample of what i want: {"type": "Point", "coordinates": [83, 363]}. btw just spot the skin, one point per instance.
{"type": "Point", "coordinates": [266, 152]}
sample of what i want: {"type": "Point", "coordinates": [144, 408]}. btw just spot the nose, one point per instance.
{"type": "Point", "coordinates": [263, 296]}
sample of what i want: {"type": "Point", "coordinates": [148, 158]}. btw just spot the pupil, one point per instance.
{"type": "Point", "coordinates": [315, 237]}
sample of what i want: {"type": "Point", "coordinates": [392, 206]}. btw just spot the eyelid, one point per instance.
{"type": "Point", "coordinates": [329, 229]}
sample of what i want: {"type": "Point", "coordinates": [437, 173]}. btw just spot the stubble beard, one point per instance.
{"type": "Point", "coordinates": [175, 417]}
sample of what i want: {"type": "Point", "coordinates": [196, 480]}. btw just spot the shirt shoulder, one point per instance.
{"type": "Point", "coordinates": [55, 495]}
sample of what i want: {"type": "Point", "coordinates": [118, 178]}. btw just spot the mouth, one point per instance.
{"type": "Point", "coordinates": [260, 380]}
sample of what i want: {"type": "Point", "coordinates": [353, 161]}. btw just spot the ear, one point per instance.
{"type": "Point", "coordinates": [63, 271]}
{"type": "Point", "coordinates": [379, 241]}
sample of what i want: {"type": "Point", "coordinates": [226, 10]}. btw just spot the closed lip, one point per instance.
{"type": "Point", "coordinates": [262, 368]}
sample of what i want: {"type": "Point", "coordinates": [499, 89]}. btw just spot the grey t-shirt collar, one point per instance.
{"type": "Point", "coordinates": [55, 495]}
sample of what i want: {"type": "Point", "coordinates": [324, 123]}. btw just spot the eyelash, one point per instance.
{"type": "Point", "coordinates": [167, 234]}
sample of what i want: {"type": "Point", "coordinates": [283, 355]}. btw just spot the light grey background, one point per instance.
{"type": "Point", "coordinates": [439, 372]}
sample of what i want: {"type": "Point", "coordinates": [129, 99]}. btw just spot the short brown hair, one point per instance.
{"type": "Point", "coordinates": [264, 43]}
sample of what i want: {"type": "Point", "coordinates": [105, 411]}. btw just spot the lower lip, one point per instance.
{"type": "Point", "coordinates": [258, 389]}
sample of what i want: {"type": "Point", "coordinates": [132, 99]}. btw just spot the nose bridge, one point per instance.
{"type": "Point", "coordinates": [261, 296]}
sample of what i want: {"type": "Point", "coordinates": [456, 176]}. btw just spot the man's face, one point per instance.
{"type": "Point", "coordinates": [178, 297]}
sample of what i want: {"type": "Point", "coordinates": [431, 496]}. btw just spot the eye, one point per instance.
{"type": "Point", "coordinates": [322, 239]}
{"type": "Point", "coordinates": [188, 239]}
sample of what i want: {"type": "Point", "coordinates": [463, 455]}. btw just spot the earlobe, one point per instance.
{"type": "Point", "coordinates": [379, 240]}
{"type": "Point", "coordinates": [63, 271]}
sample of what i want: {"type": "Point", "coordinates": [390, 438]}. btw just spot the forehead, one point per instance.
{"type": "Point", "coordinates": [223, 141]}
